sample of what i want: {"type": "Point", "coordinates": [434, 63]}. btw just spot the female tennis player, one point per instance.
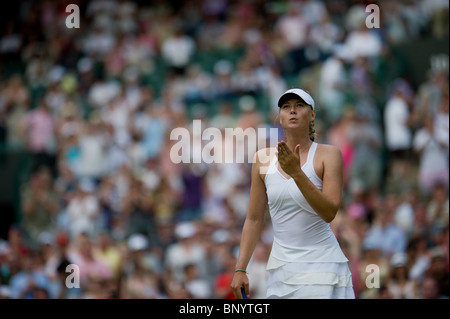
{"type": "Point", "coordinates": [302, 185]}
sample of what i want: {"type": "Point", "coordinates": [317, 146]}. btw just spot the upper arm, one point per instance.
{"type": "Point", "coordinates": [258, 195]}
{"type": "Point", "coordinates": [333, 175]}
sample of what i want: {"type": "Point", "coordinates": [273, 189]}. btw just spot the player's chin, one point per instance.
{"type": "Point", "coordinates": [292, 125]}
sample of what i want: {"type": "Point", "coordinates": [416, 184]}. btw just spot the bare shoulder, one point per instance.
{"type": "Point", "coordinates": [328, 151]}
{"type": "Point", "coordinates": [262, 160]}
{"type": "Point", "coordinates": [264, 156]}
{"type": "Point", "coordinates": [329, 154]}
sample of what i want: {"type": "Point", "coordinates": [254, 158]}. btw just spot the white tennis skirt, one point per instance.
{"type": "Point", "coordinates": [309, 280]}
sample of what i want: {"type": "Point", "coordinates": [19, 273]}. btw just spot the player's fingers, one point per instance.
{"type": "Point", "coordinates": [282, 148]}
{"type": "Point", "coordinates": [279, 147]}
{"type": "Point", "coordinates": [236, 285]}
{"type": "Point", "coordinates": [247, 289]}
{"type": "Point", "coordinates": [285, 148]}
{"type": "Point", "coordinates": [236, 292]}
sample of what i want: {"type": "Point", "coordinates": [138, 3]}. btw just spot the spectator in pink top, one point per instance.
{"type": "Point", "coordinates": [91, 267]}
{"type": "Point", "coordinates": [40, 135]}
{"type": "Point", "coordinates": [41, 129]}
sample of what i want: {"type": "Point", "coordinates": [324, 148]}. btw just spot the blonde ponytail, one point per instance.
{"type": "Point", "coordinates": [312, 131]}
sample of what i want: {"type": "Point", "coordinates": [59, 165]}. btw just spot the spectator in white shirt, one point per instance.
{"type": "Point", "coordinates": [177, 50]}
{"type": "Point", "coordinates": [397, 123]}
{"type": "Point", "coordinates": [83, 210]}
{"type": "Point", "coordinates": [332, 83]}
{"type": "Point", "coordinates": [433, 158]}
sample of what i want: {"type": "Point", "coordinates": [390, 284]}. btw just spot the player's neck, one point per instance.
{"type": "Point", "coordinates": [304, 141]}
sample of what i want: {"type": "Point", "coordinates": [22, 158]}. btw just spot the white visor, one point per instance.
{"type": "Point", "coordinates": [299, 93]}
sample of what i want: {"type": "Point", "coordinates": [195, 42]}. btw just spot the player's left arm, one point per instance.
{"type": "Point", "coordinates": [333, 181]}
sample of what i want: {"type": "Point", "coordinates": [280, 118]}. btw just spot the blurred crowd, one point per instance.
{"type": "Point", "coordinates": [94, 107]}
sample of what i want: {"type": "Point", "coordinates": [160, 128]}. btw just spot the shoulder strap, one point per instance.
{"type": "Point", "coordinates": [311, 153]}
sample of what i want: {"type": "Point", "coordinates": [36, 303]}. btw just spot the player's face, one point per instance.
{"type": "Point", "coordinates": [296, 113]}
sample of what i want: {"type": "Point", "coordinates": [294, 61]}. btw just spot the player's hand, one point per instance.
{"type": "Point", "coordinates": [240, 280]}
{"type": "Point", "coordinates": [289, 161]}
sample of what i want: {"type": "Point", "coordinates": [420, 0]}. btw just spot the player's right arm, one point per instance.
{"type": "Point", "coordinates": [253, 225]}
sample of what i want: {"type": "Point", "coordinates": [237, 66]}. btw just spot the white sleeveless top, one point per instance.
{"type": "Point", "coordinates": [300, 234]}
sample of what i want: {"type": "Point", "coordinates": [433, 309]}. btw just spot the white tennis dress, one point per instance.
{"type": "Point", "coordinates": [306, 260]}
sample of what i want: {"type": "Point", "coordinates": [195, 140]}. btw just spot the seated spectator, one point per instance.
{"type": "Point", "coordinates": [30, 282]}
{"type": "Point", "coordinates": [430, 289]}
{"type": "Point", "coordinates": [40, 206]}
{"type": "Point", "coordinates": [91, 268]}
{"type": "Point", "coordinates": [197, 286]}
{"type": "Point", "coordinates": [433, 158]}
{"type": "Point", "coordinates": [384, 233]}
{"type": "Point", "coordinates": [372, 256]}
{"type": "Point", "coordinates": [186, 251]}
{"type": "Point", "coordinates": [83, 210]}
{"type": "Point", "coordinates": [223, 280]}
{"type": "Point", "coordinates": [399, 285]}
{"type": "Point", "coordinates": [437, 209]}
{"type": "Point", "coordinates": [438, 269]}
